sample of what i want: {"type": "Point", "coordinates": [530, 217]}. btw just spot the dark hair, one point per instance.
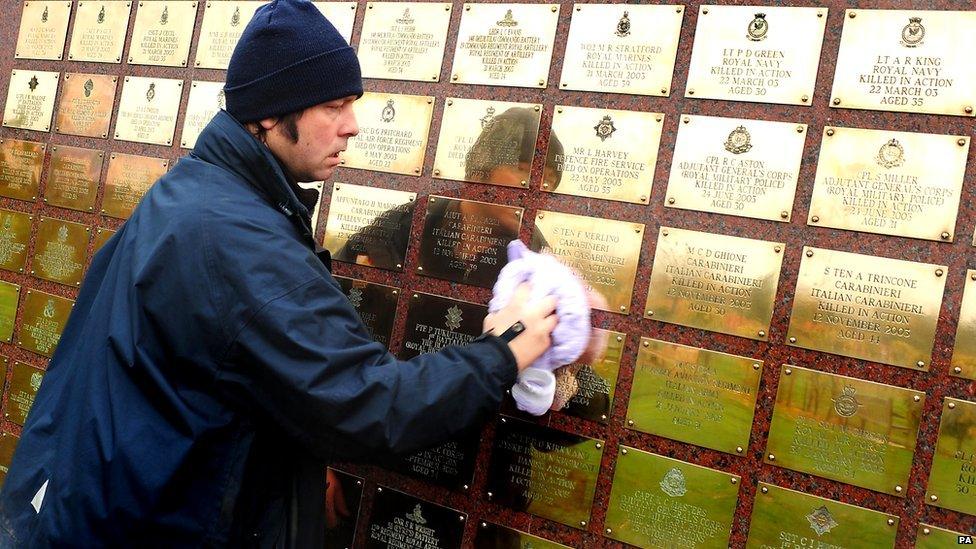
{"type": "Point", "coordinates": [288, 123]}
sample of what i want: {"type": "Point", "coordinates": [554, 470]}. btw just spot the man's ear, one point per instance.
{"type": "Point", "coordinates": [268, 123]}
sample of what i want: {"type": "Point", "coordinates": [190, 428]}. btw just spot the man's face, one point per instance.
{"type": "Point", "coordinates": [323, 131]}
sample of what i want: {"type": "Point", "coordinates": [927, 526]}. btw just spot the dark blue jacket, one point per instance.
{"type": "Point", "coordinates": [212, 366]}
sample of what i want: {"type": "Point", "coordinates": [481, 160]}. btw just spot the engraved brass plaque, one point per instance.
{"type": "Point", "coordinates": [42, 321]}
{"type": "Point", "coordinates": [9, 298]}
{"type": "Point", "coordinates": [735, 166]}
{"type": "Point", "coordinates": [86, 104]}
{"type": "Point", "coordinates": [223, 23]}
{"type": "Point", "coordinates": [604, 252]}
{"type": "Point", "coordinates": [43, 29]}
{"type": "Point", "coordinates": [932, 537]}
{"type": "Point", "coordinates": [20, 168]}
{"type": "Point", "coordinates": [317, 186]}
{"type": "Point", "coordinates": [342, 15]}
{"type": "Point", "coordinates": [375, 303]}
{"type": "Point", "coordinates": [72, 178]}
{"type": "Point", "coordinates": [952, 480]}
{"type": "Point", "coordinates": [30, 100]}
{"type": "Point", "coordinates": [148, 110]}
{"type": "Point", "coordinates": [544, 472]}
{"type": "Point", "coordinates": [369, 225]}
{"type": "Point", "coordinates": [750, 53]}
{"type": "Point", "coordinates": [343, 504]}
{"type": "Point", "coordinates": [867, 307]}
{"type": "Point", "coordinates": [493, 536]}
{"type": "Point", "coordinates": [206, 98]}
{"type": "Point", "coordinates": [846, 429]}
{"type": "Point", "coordinates": [657, 501]}
{"type": "Point", "coordinates": [787, 518]}
{"type": "Point", "coordinates": [8, 442]}
{"type": "Point", "coordinates": [60, 249]}
{"type": "Point", "coordinates": [24, 383]}
{"type": "Point", "coordinates": [99, 31]}
{"type": "Point", "coordinates": [15, 231]}
{"type": "Point", "coordinates": [434, 322]}
{"type": "Point", "coordinates": [602, 153]}
{"type": "Point", "coordinates": [964, 351]}
{"type": "Point", "coordinates": [404, 40]}
{"type": "Point", "coordinates": [505, 44]}
{"type": "Point", "coordinates": [450, 465]}
{"type": "Point", "coordinates": [128, 178]}
{"type": "Point", "coordinates": [393, 132]}
{"type": "Point", "coordinates": [102, 236]}
{"type": "Point", "coordinates": [162, 33]}
{"type": "Point", "coordinates": [465, 241]}
{"type": "Point", "coordinates": [596, 383]}
{"type": "Point", "coordinates": [716, 282]}
{"type": "Point", "coordinates": [402, 520]}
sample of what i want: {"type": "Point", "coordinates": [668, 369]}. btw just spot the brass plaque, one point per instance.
{"type": "Point", "coordinates": [127, 179]}
{"type": "Point", "coordinates": [99, 31]}
{"type": "Point", "coordinates": [604, 252]}
{"type": "Point", "coordinates": [60, 251]}
{"type": "Point", "coordinates": [148, 110]}
{"type": "Point", "coordinates": [964, 351]}
{"type": "Point", "coordinates": [223, 23]}
{"type": "Point", "coordinates": [375, 303]}
{"type": "Point", "coordinates": [343, 502]}
{"type": "Point", "coordinates": [8, 443]}
{"type": "Point", "coordinates": [9, 298]}
{"type": "Point", "coordinates": [602, 153]}
{"type": "Point", "coordinates": [787, 518]}
{"type": "Point", "coordinates": [915, 61]}
{"type": "Point", "coordinates": [20, 168]}
{"type": "Point", "coordinates": [342, 15]}
{"type": "Point", "coordinates": [656, 501]}
{"type": "Point", "coordinates": [24, 383]}
{"type": "Point", "coordinates": [102, 236]}
{"type": "Point", "coordinates": [932, 537]}
{"type": "Point", "coordinates": [845, 429]}
{"type": "Point", "coordinates": [206, 98]}
{"type": "Point", "coordinates": [404, 40]}
{"type": "Point", "coordinates": [402, 520]}
{"type": "Point", "coordinates": [493, 536]}
{"type": "Point", "coordinates": [162, 33]}
{"type": "Point", "coordinates": [434, 322]}
{"type": "Point", "coordinates": [544, 472]}
{"type": "Point", "coordinates": [952, 480]}
{"type": "Point", "coordinates": [450, 465]}
{"type": "Point", "coordinates": [505, 44]}
{"type": "Point", "coordinates": [317, 186]}
{"type": "Point", "coordinates": [43, 29]}
{"type": "Point", "coordinates": [465, 241]}
{"type": "Point", "coordinates": [15, 231]}
{"type": "Point", "coordinates": [369, 225]}
{"type": "Point", "coordinates": [716, 282]}
{"type": "Point", "coordinates": [763, 54]}
{"type": "Point", "coordinates": [393, 132]}
{"type": "Point", "coordinates": [621, 48]}
{"type": "Point", "coordinates": [42, 321]}
{"type": "Point", "coordinates": [867, 307]}
{"type": "Point", "coordinates": [736, 166]}
{"type": "Point", "coordinates": [30, 100]}
{"type": "Point", "coordinates": [72, 178]}
{"type": "Point", "coordinates": [86, 104]}
{"type": "Point", "coordinates": [596, 383]}
{"type": "Point", "coordinates": [694, 395]}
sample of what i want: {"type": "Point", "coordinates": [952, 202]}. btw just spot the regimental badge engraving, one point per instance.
{"type": "Point", "coordinates": [758, 28]}
{"type": "Point", "coordinates": [60, 251]}
{"type": "Point", "coordinates": [404, 40]}
{"type": "Point", "coordinates": [72, 180]}
{"type": "Point", "coordinates": [148, 109]}
{"type": "Point", "coordinates": [15, 230]}
{"type": "Point", "coordinates": [99, 31]}
{"type": "Point", "coordinates": [128, 178]}
{"type": "Point", "coordinates": [402, 519]}
{"type": "Point", "coordinates": [453, 318]}
{"type": "Point", "coordinates": [605, 128]}
{"type": "Point", "coordinates": [846, 405]}
{"type": "Point", "coordinates": [20, 168]}
{"type": "Point", "coordinates": [43, 29]}
{"type": "Point", "coordinates": [369, 225]}
{"type": "Point", "coordinates": [42, 321]}
{"type": "Point", "coordinates": [30, 100]}
{"type": "Point", "coordinates": [206, 98]}
{"type": "Point", "coordinates": [891, 155]}
{"type": "Point", "coordinates": [821, 520]}
{"type": "Point", "coordinates": [24, 383]}
{"type": "Point", "coordinates": [9, 298]}
{"type": "Point", "coordinates": [739, 141]}
{"type": "Point", "coordinates": [389, 112]}
{"type": "Point", "coordinates": [375, 303]}
{"type": "Point", "coordinates": [162, 33]}
{"type": "Point", "coordinates": [673, 483]}
{"type": "Point", "coordinates": [433, 322]}
{"type": "Point", "coordinates": [393, 133]}
{"type": "Point", "coordinates": [342, 15]}
{"type": "Point", "coordinates": [623, 26]}
{"type": "Point", "coordinates": [952, 480]}
{"type": "Point", "coordinates": [913, 33]}
{"type": "Point", "coordinates": [223, 23]}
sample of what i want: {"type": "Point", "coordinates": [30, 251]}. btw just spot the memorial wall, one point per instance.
{"type": "Point", "coordinates": [776, 203]}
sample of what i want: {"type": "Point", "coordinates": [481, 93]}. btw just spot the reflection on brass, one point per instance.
{"type": "Point", "coordinates": [505, 44]}
{"type": "Point", "coordinates": [375, 303]}
{"type": "Point", "coordinates": [450, 465]}
{"type": "Point", "coordinates": [148, 110]}
{"type": "Point", "coordinates": [964, 351]}
{"type": "Point", "coordinates": [657, 501]}
{"type": "Point", "coordinates": [8, 442]}
{"type": "Point", "coordinates": [952, 480]}
{"type": "Point", "coordinates": [694, 395]}
{"type": "Point", "coordinates": [343, 501]}
{"type": "Point", "coordinates": [393, 132]}
{"type": "Point", "coordinates": [404, 40]}
{"type": "Point", "coordinates": [596, 382]}
{"type": "Point", "coordinates": [72, 177]}
{"type": "Point", "coordinates": [342, 15]}
{"type": "Point", "coordinates": [86, 104]}
{"type": "Point", "coordinates": [602, 153]}
{"type": "Point", "coordinates": [867, 307]}
{"type": "Point", "coordinates": [60, 249]}
{"type": "Point", "coordinates": [43, 29]}
{"type": "Point", "coordinates": [30, 99]}
{"type": "Point", "coordinates": [603, 251]}
{"type": "Point", "coordinates": [736, 166]}
{"type": "Point", "coordinates": [721, 283]}
{"type": "Point", "coordinates": [932, 537]}
{"type": "Point", "coordinates": [492, 536]}
{"type": "Point", "coordinates": [369, 226]}
{"type": "Point", "coordinates": [42, 321]}
{"type": "Point", "coordinates": [127, 179]}
{"type": "Point", "coordinates": [317, 186]}
{"type": "Point", "coordinates": [24, 383]}
{"type": "Point", "coordinates": [9, 298]}
{"type": "Point", "coordinates": [162, 32]}
{"type": "Point", "coordinates": [845, 429]}
{"type": "Point", "coordinates": [15, 230]}
{"type": "Point", "coordinates": [763, 54]}
{"type": "Point", "coordinates": [906, 61]}
{"type": "Point", "coordinates": [99, 31]}
{"type": "Point", "coordinates": [206, 98]}
{"type": "Point", "coordinates": [101, 237]}
{"type": "Point", "coordinates": [223, 23]}
{"type": "Point", "coordinates": [434, 322]}
{"type": "Point", "coordinates": [402, 520]}
{"type": "Point", "coordinates": [20, 168]}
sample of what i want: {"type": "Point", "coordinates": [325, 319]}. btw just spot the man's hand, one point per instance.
{"type": "Point", "coordinates": [539, 320]}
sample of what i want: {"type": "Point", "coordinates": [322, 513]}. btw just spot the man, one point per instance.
{"type": "Point", "coordinates": [212, 365]}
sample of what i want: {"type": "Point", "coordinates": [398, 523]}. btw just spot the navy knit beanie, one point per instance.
{"type": "Point", "coordinates": [289, 57]}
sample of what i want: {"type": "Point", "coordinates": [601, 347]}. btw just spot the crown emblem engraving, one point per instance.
{"type": "Point", "coordinates": [164, 18]}
{"type": "Point", "coordinates": [406, 19]}
{"type": "Point", "coordinates": [151, 92]}
{"type": "Point", "coordinates": [44, 15]}
{"type": "Point", "coordinates": [236, 18]}
{"type": "Point", "coordinates": [416, 515]}
{"type": "Point", "coordinates": [738, 141]}
{"type": "Point", "coordinates": [821, 521]}
{"type": "Point", "coordinates": [673, 483]}
{"type": "Point", "coordinates": [101, 15]}
{"type": "Point", "coordinates": [389, 113]}
{"type": "Point", "coordinates": [846, 405]}
{"type": "Point", "coordinates": [88, 87]}
{"type": "Point", "coordinates": [33, 83]}
{"type": "Point", "coordinates": [605, 128]}
{"type": "Point", "coordinates": [623, 26]}
{"type": "Point", "coordinates": [891, 155]}
{"type": "Point", "coordinates": [49, 309]}
{"type": "Point", "coordinates": [508, 20]}
{"type": "Point", "coordinates": [35, 381]}
{"type": "Point", "coordinates": [912, 33]}
{"type": "Point", "coordinates": [758, 28]}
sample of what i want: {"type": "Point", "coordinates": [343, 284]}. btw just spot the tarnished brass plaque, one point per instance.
{"type": "Point", "coordinates": [763, 54]}
{"type": "Point", "coordinates": [162, 33]}
{"type": "Point", "coordinates": [128, 178]}
{"type": "Point", "coordinates": [86, 104]}
{"type": "Point", "coordinates": [964, 351]}
{"type": "Point", "coordinates": [148, 110]}
{"type": "Point", "coordinates": [604, 252]}
{"type": "Point", "coordinates": [342, 15]}
{"type": "Point", "coordinates": [404, 40]}
{"type": "Point", "coordinates": [24, 383]}
{"type": "Point", "coordinates": [369, 225]}
{"type": "Point", "coordinates": [343, 502]}
{"type": "Point", "coordinates": [223, 23]}
{"type": "Point", "coordinates": [787, 518]}
{"type": "Point", "coordinates": [393, 131]}
{"type": "Point", "coordinates": [544, 472]}
{"type": "Point", "coordinates": [736, 166]}
{"type": "Point", "coordinates": [434, 322]}
{"type": "Point", "coordinates": [206, 98]}
{"type": "Point", "coordinates": [8, 443]}
{"type": "Point", "coordinates": [932, 537]}
{"type": "Point", "coordinates": [30, 100]}
{"type": "Point", "coordinates": [42, 321]}
{"type": "Point", "coordinates": [60, 251]}
{"type": "Point", "coordinates": [716, 282]}
{"type": "Point", "coordinates": [102, 236]}
{"type": "Point", "coordinates": [867, 307]}
{"type": "Point", "coordinates": [846, 429]}
{"type": "Point", "coordinates": [15, 231]}
{"type": "Point", "coordinates": [492, 536]}
{"type": "Point", "coordinates": [596, 383]}
{"type": "Point", "coordinates": [656, 501]}
{"type": "Point", "coordinates": [317, 186]}
{"type": "Point", "coordinates": [375, 303]}
{"type": "Point", "coordinates": [694, 395]}
{"type": "Point", "coordinates": [602, 153]}
{"type": "Point", "coordinates": [43, 29]}
{"type": "Point", "coordinates": [450, 465]}
{"type": "Point", "coordinates": [402, 520]}
{"type": "Point", "coordinates": [72, 178]}
{"type": "Point", "coordinates": [952, 480]}
{"type": "Point", "coordinates": [622, 48]}
{"type": "Point", "coordinates": [20, 168]}
{"type": "Point", "coordinates": [99, 31]}
{"type": "Point", "coordinates": [505, 44]}
{"type": "Point", "coordinates": [9, 298]}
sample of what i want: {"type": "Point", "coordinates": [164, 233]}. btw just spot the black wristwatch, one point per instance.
{"type": "Point", "coordinates": [508, 335]}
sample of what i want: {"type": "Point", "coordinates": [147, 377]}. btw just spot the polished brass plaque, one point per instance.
{"type": "Point", "coordinates": [393, 132]}
{"type": "Point", "coordinates": [43, 29]}
{"type": "Point", "coordinates": [402, 520]}
{"type": "Point", "coordinates": [223, 23]}
{"type": "Point", "coordinates": [622, 48]}
{"type": "Point", "coordinates": [30, 100]}
{"type": "Point", "coordinates": [450, 465]}
{"type": "Point", "coordinates": [20, 168]}
{"type": "Point", "coordinates": [404, 40]}
{"type": "Point", "coordinates": [317, 186]}
{"type": "Point", "coordinates": [15, 231]}
{"type": "Point", "coordinates": [867, 307]}
{"type": "Point", "coordinates": [148, 110]}
{"type": "Point", "coordinates": [206, 98]}
{"type": "Point", "coordinates": [343, 502]}
{"type": "Point", "coordinates": [60, 251]}
{"type": "Point", "coordinates": [894, 183]}
{"type": "Point", "coordinates": [932, 537]}
{"type": "Point", "coordinates": [694, 395]}
{"type": "Point", "coordinates": [964, 351]}
{"type": "Point", "coordinates": [102, 236]}
{"type": "Point", "coordinates": [596, 382]}
{"type": "Point", "coordinates": [24, 383]}
{"type": "Point", "coordinates": [375, 303]}
{"type": "Point", "coordinates": [602, 153]}
{"type": "Point", "coordinates": [99, 31]}
{"type": "Point", "coordinates": [72, 178]}
{"type": "Point", "coordinates": [9, 298]}
{"type": "Point", "coordinates": [162, 33]}
{"type": "Point", "coordinates": [787, 518]}
{"type": "Point", "coordinates": [735, 166]}
{"type": "Point", "coordinates": [434, 322]}
{"type": "Point", "coordinates": [604, 252]}
{"type": "Point", "coordinates": [656, 501]}
{"type": "Point", "coordinates": [505, 44]}
{"type": "Point", "coordinates": [42, 321]}
{"type": "Point", "coordinates": [127, 179]}
{"type": "Point", "coordinates": [8, 443]}
{"type": "Point", "coordinates": [952, 480]}
{"type": "Point", "coordinates": [342, 15]}
{"type": "Point", "coordinates": [716, 282]}
{"type": "Point", "coordinates": [86, 104]}
{"type": "Point", "coordinates": [369, 225]}
{"type": "Point", "coordinates": [845, 429]}
{"type": "Point", "coordinates": [493, 536]}
{"type": "Point", "coordinates": [465, 241]}
{"type": "Point", "coordinates": [764, 54]}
